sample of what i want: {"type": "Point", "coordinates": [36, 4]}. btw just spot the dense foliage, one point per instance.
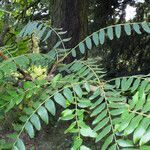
{"type": "Point", "coordinates": [36, 86]}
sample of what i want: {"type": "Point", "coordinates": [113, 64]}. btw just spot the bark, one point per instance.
{"type": "Point", "coordinates": [72, 16]}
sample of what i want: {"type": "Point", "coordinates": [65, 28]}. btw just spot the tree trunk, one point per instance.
{"type": "Point", "coordinates": [72, 16]}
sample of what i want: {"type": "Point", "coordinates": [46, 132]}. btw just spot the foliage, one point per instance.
{"type": "Point", "coordinates": [118, 108]}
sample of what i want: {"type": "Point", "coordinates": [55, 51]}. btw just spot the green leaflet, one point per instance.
{"type": "Point", "coordinates": [99, 101]}
{"type": "Point", "coordinates": [49, 104]}
{"type": "Point", "coordinates": [110, 33]}
{"type": "Point", "coordinates": [83, 103]}
{"type": "Point", "coordinates": [74, 54]}
{"type": "Point", "coordinates": [125, 143]}
{"type": "Point", "coordinates": [136, 27]}
{"type": "Point", "coordinates": [134, 100]}
{"type": "Point", "coordinates": [127, 29]}
{"type": "Point", "coordinates": [102, 36]}
{"type": "Point", "coordinates": [77, 143]}
{"type": "Point", "coordinates": [29, 129]}
{"type": "Point", "coordinates": [107, 142]}
{"type": "Point", "coordinates": [101, 124]}
{"type": "Point", "coordinates": [116, 112]}
{"type": "Point", "coordinates": [68, 94]}
{"type": "Point", "coordinates": [139, 132]}
{"type": "Point", "coordinates": [59, 98]}
{"type": "Point", "coordinates": [135, 84]}
{"type": "Point", "coordinates": [125, 84]}
{"type": "Point", "coordinates": [133, 125]}
{"type": "Point", "coordinates": [20, 145]}
{"type": "Point", "coordinates": [88, 42]}
{"type": "Point", "coordinates": [82, 48]}
{"type": "Point", "coordinates": [42, 112]}
{"type": "Point", "coordinates": [95, 94]}
{"type": "Point", "coordinates": [15, 148]}
{"type": "Point", "coordinates": [95, 38]}
{"type": "Point", "coordinates": [113, 147]}
{"type": "Point", "coordinates": [87, 87]}
{"type": "Point", "coordinates": [99, 117]}
{"type": "Point", "coordinates": [35, 121]}
{"type": "Point", "coordinates": [125, 122]}
{"type": "Point", "coordinates": [78, 90]}
{"type": "Point", "coordinates": [67, 114]}
{"type": "Point", "coordinates": [140, 103]}
{"type": "Point", "coordinates": [57, 44]}
{"type": "Point", "coordinates": [47, 35]}
{"type": "Point", "coordinates": [88, 132]}
{"type": "Point", "coordinates": [146, 27]}
{"type": "Point", "coordinates": [145, 138]}
{"type": "Point", "coordinates": [98, 110]}
{"type": "Point", "coordinates": [103, 133]}
{"type": "Point", "coordinates": [118, 31]}
{"type": "Point", "coordinates": [83, 147]}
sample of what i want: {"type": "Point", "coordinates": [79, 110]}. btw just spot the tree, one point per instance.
{"type": "Point", "coordinates": [72, 16]}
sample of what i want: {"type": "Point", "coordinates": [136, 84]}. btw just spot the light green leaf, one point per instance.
{"type": "Point", "coordinates": [35, 121]}
{"type": "Point", "coordinates": [118, 31]}
{"type": "Point", "coordinates": [103, 133]}
{"type": "Point", "coordinates": [88, 132]}
{"type": "Point", "coordinates": [87, 87]}
{"type": "Point", "coordinates": [135, 84]}
{"type": "Point", "coordinates": [68, 94]}
{"type": "Point", "coordinates": [107, 142]}
{"type": "Point", "coordinates": [134, 100]}
{"type": "Point", "coordinates": [59, 98]}
{"type": "Point", "coordinates": [88, 43]}
{"type": "Point", "coordinates": [78, 90]}
{"type": "Point", "coordinates": [110, 33]}
{"type": "Point", "coordinates": [113, 147]}
{"type": "Point", "coordinates": [98, 110]}
{"type": "Point", "coordinates": [67, 114]}
{"type": "Point", "coordinates": [136, 27]}
{"type": "Point", "coordinates": [29, 129]}
{"type": "Point", "coordinates": [95, 38]}
{"type": "Point", "coordinates": [139, 132]}
{"type": "Point", "coordinates": [116, 112]}
{"type": "Point", "coordinates": [77, 143]}
{"type": "Point", "coordinates": [49, 104]}
{"type": "Point", "coordinates": [99, 101]}
{"type": "Point", "coordinates": [15, 148]}
{"type": "Point", "coordinates": [133, 125]}
{"type": "Point", "coordinates": [42, 112]}
{"type": "Point", "coordinates": [74, 54]}
{"type": "Point", "coordinates": [84, 103]}
{"type": "Point", "coordinates": [99, 117]}
{"type": "Point", "coordinates": [125, 122]}
{"type": "Point", "coordinates": [146, 27]}
{"type": "Point", "coordinates": [125, 143]}
{"type": "Point", "coordinates": [84, 148]}
{"type": "Point", "coordinates": [95, 94]}
{"type": "Point", "coordinates": [47, 35]}
{"type": "Point", "coordinates": [69, 129]}
{"type": "Point", "coordinates": [102, 37]}
{"type": "Point", "coordinates": [145, 138]}
{"type": "Point", "coordinates": [20, 144]}
{"type": "Point", "coordinates": [101, 124]}
{"type": "Point", "coordinates": [127, 29]}
{"type": "Point", "coordinates": [82, 48]}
